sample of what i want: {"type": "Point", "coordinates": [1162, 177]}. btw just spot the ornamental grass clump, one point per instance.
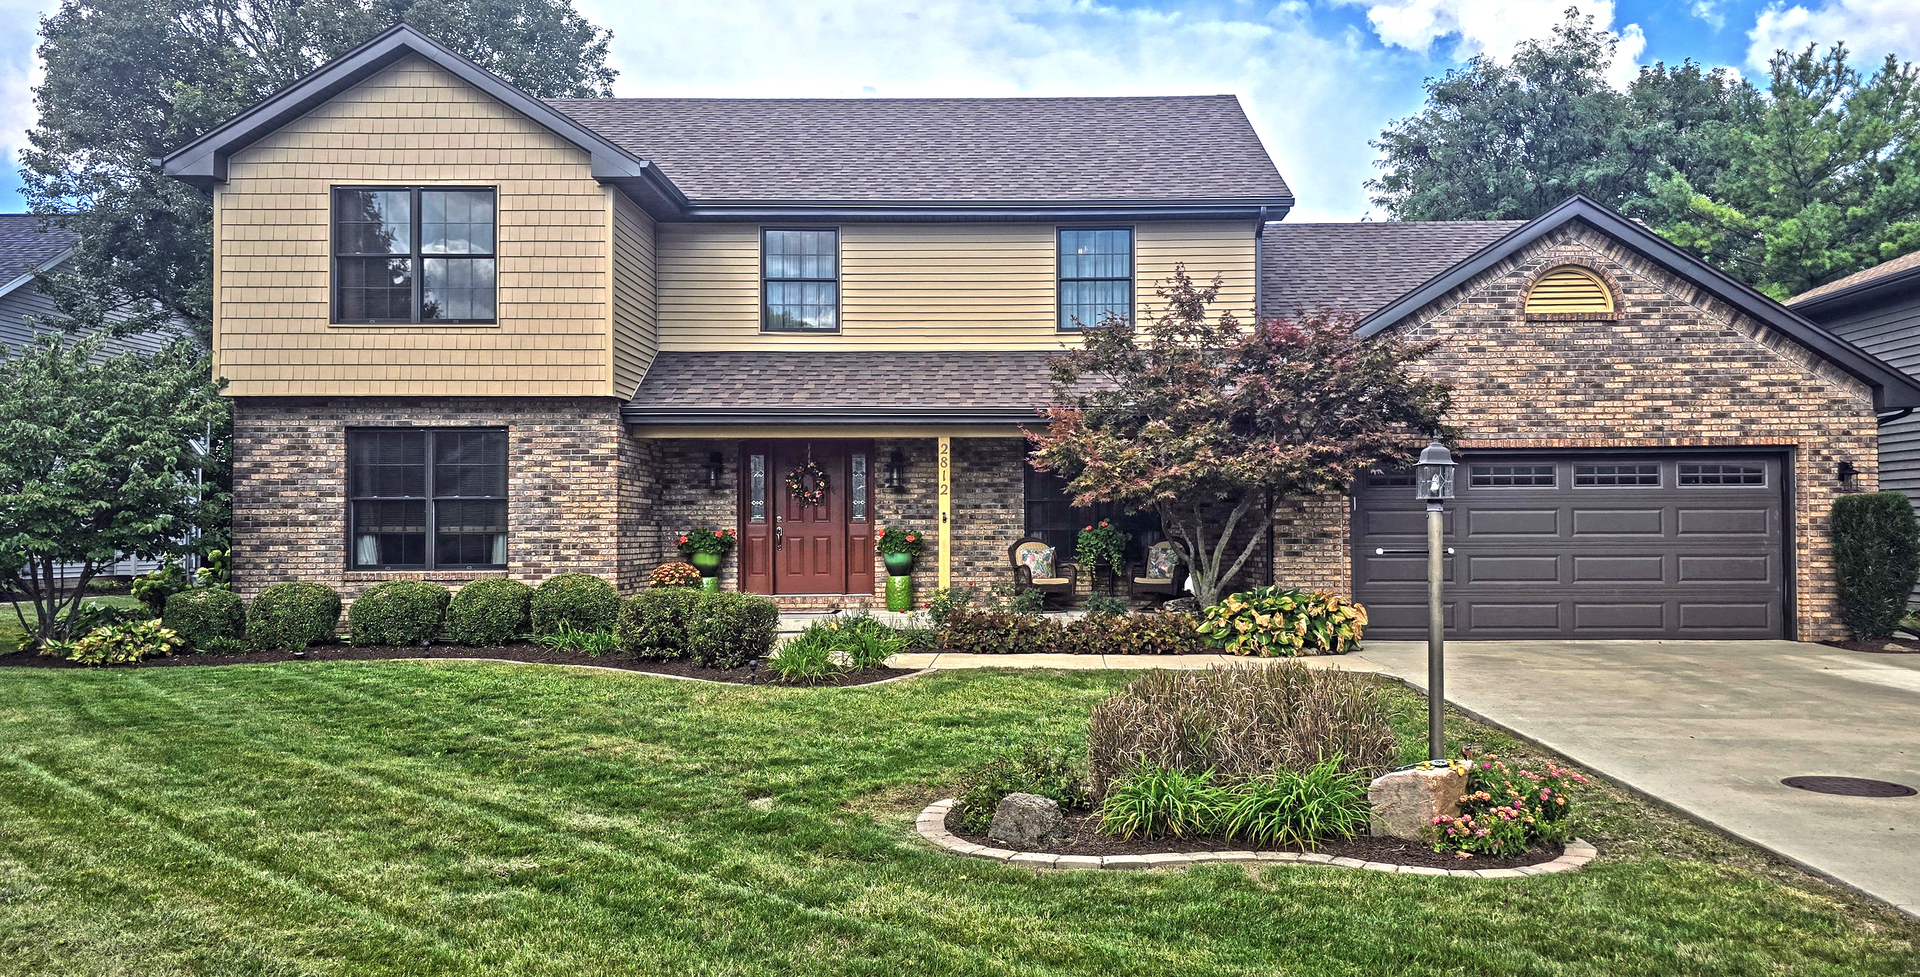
{"type": "Point", "coordinates": [1506, 811]}
{"type": "Point", "coordinates": [1156, 801]}
{"type": "Point", "coordinates": [835, 646]}
{"type": "Point", "coordinates": [1283, 622]}
{"type": "Point", "coordinates": [1240, 722]}
{"type": "Point", "coordinates": [1296, 810]}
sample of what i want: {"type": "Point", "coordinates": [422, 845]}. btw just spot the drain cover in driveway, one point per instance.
{"type": "Point", "coordinates": [1850, 786]}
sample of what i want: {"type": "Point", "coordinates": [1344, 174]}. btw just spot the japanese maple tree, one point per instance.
{"type": "Point", "coordinates": [1202, 417]}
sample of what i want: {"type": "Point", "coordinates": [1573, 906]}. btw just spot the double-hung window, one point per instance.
{"type": "Point", "coordinates": [1096, 276]}
{"type": "Point", "coordinates": [800, 280]}
{"type": "Point", "coordinates": [413, 254]}
{"type": "Point", "coordinates": [426, 498]}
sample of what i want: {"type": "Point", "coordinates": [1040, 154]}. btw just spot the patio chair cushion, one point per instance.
{"type": "Point", "coordinates": [1049, 581]}
{"type": "Point", "coordinates": [1162, 581]}
{"type": "Point", "coordinates": [1162, 560]}
{"type": "Point", "coordinates": [1039, 562]}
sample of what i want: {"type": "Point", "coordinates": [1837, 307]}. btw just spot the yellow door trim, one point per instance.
{"type": "Point", "coordinates": [946, 512]}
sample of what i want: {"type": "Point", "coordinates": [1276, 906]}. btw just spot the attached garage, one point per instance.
{"type": "Point", "coordinates": [1592, 544]}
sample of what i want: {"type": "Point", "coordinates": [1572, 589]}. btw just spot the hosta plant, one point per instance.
{"type": "Point", "coordinates": [121, 644]}
{"type": "Point", "coordinates": [1279, 622]}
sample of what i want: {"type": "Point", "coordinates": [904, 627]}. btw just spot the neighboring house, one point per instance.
{"type": "Point", "coordinates": [469, 333]}
{"type": "Point", "coordinates": [26, 251]}
{"type": "Point", "coordinates": [1878, 310]}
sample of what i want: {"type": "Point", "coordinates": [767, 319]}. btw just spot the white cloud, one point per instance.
{"type": "Point", "coordinates": [1493, 27]}
{"type": "Point", "coordinates": [1709, 11]}
{"type": "Point", "coordinates": [1315, 99]}
{"type": "Point", "coordinates": [1872, 28]}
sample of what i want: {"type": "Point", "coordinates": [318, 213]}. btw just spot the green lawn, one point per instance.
{"type": "Point", "coordinates": [10, 633]}
{"type": "Point", "coordinates": [356, 818]}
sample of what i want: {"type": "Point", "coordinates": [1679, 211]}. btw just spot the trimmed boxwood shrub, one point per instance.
{"type": "Point", "coordinates": [489, 612]}
{"type": "Point", "coordinates": [290, 616]}
{"type": "Point", "coordinates": [398, 612]}
{"type": "Point", "coordinates": [205, 617]}
{"type": "Point", "coordinates": [727, 630]}
{"type": "Point", "coordinates": [653, 622]}
{"type": "Point", "coordinates": [580, 601]}
{"type": "Point", "coordinates": [1876, 559]}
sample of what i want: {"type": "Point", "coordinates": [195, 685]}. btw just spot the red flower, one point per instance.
{"type": "Point", "coordinates": [1086, 529]}
{"type": "Point", "coordinates": [683, 538]}
{"type": "Point", "coordinates": [717, 534]}
{"type": "Point", "coordinates": [1103, 524]}
{"type": "Point", "coordinates": [911, 537]}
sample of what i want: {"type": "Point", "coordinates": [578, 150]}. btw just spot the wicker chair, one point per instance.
{"type": "Point", "coordinates": [1059, 588]}
{"type": "Point", "coordinates": [1158, 589]}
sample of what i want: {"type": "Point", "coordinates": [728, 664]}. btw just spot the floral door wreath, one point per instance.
{"type": "Point", "coordinates": [808, 484]}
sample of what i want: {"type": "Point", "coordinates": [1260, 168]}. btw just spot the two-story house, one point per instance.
{"type": "Point", "coordinates": [471, 332]}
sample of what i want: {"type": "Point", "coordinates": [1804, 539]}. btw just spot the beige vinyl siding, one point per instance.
{"type": "Point", "coordinates": [414, 124]}
{"type": "Point", "coordinates": [636, 334]}
{"type": "Point", "coordinates": [909, 286]}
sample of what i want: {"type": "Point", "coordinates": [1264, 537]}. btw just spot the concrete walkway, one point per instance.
{"type": "Point", "coordinates": [1711, 727]}
{"type": "Point", "coordinates": [1182, 662]}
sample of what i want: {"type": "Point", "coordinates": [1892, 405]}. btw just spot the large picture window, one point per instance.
{"type": "Point", "coordinates": [426, 498]}
{"type": "Point", "coordinates": [800, 280]}
{"type": "Point", "coordinates": [413, 254]}
{"type": "Point", "coordinates": [1052, 517]}
{"type": "Point", "coordinates": [1096, 275]}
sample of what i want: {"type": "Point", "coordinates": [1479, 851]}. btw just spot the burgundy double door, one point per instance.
{"type": "Point", "coordinates": [790, 544]}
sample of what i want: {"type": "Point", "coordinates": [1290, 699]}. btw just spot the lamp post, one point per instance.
{"type": "Point", "coordinates": [1433, 484]}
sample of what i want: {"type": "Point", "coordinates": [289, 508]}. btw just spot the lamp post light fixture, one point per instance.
{"type": "Point", "coordinates": [716, 466]}
{"type": "Point", "coordinates": [897, 471]}
{"type": "Point", "coordinates": [1433, 484]}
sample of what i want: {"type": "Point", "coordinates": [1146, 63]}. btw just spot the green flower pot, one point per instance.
{"type": "Point", "coordinates": [898, 564]}
{"type": "Point", "coordinates": [899, 593]}
{"type": "Point", "coordinates": [710, 584]}
{"type": "Point", "coordinates": [707, 563]}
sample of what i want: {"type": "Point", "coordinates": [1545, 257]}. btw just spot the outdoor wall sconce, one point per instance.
{"type": "Point", "coordinates": [897, 471]}
{"type": "Point", "coordinates": [715, 467]}
{"type": "Point", "coordinates": [1847, 474]}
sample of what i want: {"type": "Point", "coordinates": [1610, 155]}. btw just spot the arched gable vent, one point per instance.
{"type": "Point", "coordinates": [1570, 289]}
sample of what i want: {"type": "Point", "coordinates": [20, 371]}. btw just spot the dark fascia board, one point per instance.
{"type": "Point", "coordinates": [1822, 307]}
{"type": "Point", "coordinates": [1892, 389]}
{"type": "Point", "coordinates": [1245, 208]}
{"type": "Point", "coordinates": [203, 162]}
{"type": "Point", "coordinates": [719, 416]}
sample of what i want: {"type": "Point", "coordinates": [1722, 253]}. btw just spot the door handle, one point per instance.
{"type": "Point", "coordinates": [779, 538]}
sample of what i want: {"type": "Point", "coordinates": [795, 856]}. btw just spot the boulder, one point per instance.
{"type": "Point", "coordinates": [1027, 821]}
{"type": "Point", "coordinates": [1405, 802]}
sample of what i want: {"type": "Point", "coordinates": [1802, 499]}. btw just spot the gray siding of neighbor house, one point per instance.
{"type": "Point", "coordinates": [1891, 331]}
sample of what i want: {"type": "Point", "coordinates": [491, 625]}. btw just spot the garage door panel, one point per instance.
{"type": "Point", "coordinates": [1671, 553]}
{"type": "Point", "coordinates": [1512, 569]}
{"type": "Point", "coordinates": [1617, 617]}
{"type": "Point", "coordinates": [1513, 522]}
{"type": "Point", "coordinates": [1723, 522]}
{"type": "Point", "coordinates": [1646, 568]}
{"type": "Point", "coordinates": [1619, 522]}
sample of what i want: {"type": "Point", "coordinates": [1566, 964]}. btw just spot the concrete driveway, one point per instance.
{"type": "Point", "coordinates": [1712, 726]}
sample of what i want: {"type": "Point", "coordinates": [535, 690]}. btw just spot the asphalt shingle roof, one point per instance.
{"type": "Point", "coordinates": [942, 149]}
{"type": "Point", "coordinates": [24, 246]}
{"type": "Point", "coordinates": [1906, 262]}
{"type": "Point", "coordinates": [907, 380]}
{"type": "Point", "coordinates": [1362, 266]}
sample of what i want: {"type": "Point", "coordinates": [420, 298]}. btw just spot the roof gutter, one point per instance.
{"type": "Point", "coordinates": [908, 416]}
{"type": "Point", "coordinates": [1853, 294]}
{"type": "Point", "coordinates": [1253, 208]}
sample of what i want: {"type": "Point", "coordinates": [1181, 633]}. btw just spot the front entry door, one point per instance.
{"type": "Point", "coordinates": [814, 548]}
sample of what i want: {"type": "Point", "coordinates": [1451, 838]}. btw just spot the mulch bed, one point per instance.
{"type": "Point", "coordinates": [1083, 840]}
{"type": "Point", "coordinates": [530, 653]}
{"type": "Point", "coordinates": [1898, 645]}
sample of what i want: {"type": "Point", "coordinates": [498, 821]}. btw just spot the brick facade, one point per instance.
{"type": "Point", "coordinates": [567, 463]}
{"type": "Point", "coordinates": [1677, 368]}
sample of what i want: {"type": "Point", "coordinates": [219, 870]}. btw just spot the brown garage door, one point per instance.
{"type": "Point", "coordinates": [1583, 546]}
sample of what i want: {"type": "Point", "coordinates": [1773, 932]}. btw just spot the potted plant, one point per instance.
{"type": "Point", "coordinates": [705, 547]}
{"type": "Point", "coordinates": [1101, 547]}
{"type": "Point", "coordinates": [898, 548]}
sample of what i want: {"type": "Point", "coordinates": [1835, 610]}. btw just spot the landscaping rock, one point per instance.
{"type": "Point", "coordinates": [1026, 821]}
{"type": "Point", "coordinates": [1181, 605]}
{"type": "Point", "coordinates": [1405, 802]}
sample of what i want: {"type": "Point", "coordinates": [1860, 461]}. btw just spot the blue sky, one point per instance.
{"type": "Point", "coordinates": [1319, 78]}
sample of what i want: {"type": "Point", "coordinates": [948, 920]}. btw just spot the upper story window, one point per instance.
{"type": "Point", "coordinates": [426, 498]}
{"type": "Point", "coordinates": [800, 280]}
{"type": "Point", "coordinates": [1096, 275]}
{"type": "Point", "coordinates": [413, 254]}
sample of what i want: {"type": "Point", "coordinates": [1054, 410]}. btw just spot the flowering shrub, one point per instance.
{"type": "Point", "coordinates": [674, 575]}
{"type": "Point", "coordinates": [896, 540]}
{"type": "Point", "coordinates": [1506, 810]}
{"type": "Point", "coordinates": [1281, 622]}
{"type": "Point", "coordinates": [706, 539]}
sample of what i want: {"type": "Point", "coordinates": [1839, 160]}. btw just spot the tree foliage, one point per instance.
{"type": "Point", "coordinates": [97, 460]}
{"type": "Point", "coordinates": [1201, 418]}
{"type": "Point", "coordinates": [129, 81]}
